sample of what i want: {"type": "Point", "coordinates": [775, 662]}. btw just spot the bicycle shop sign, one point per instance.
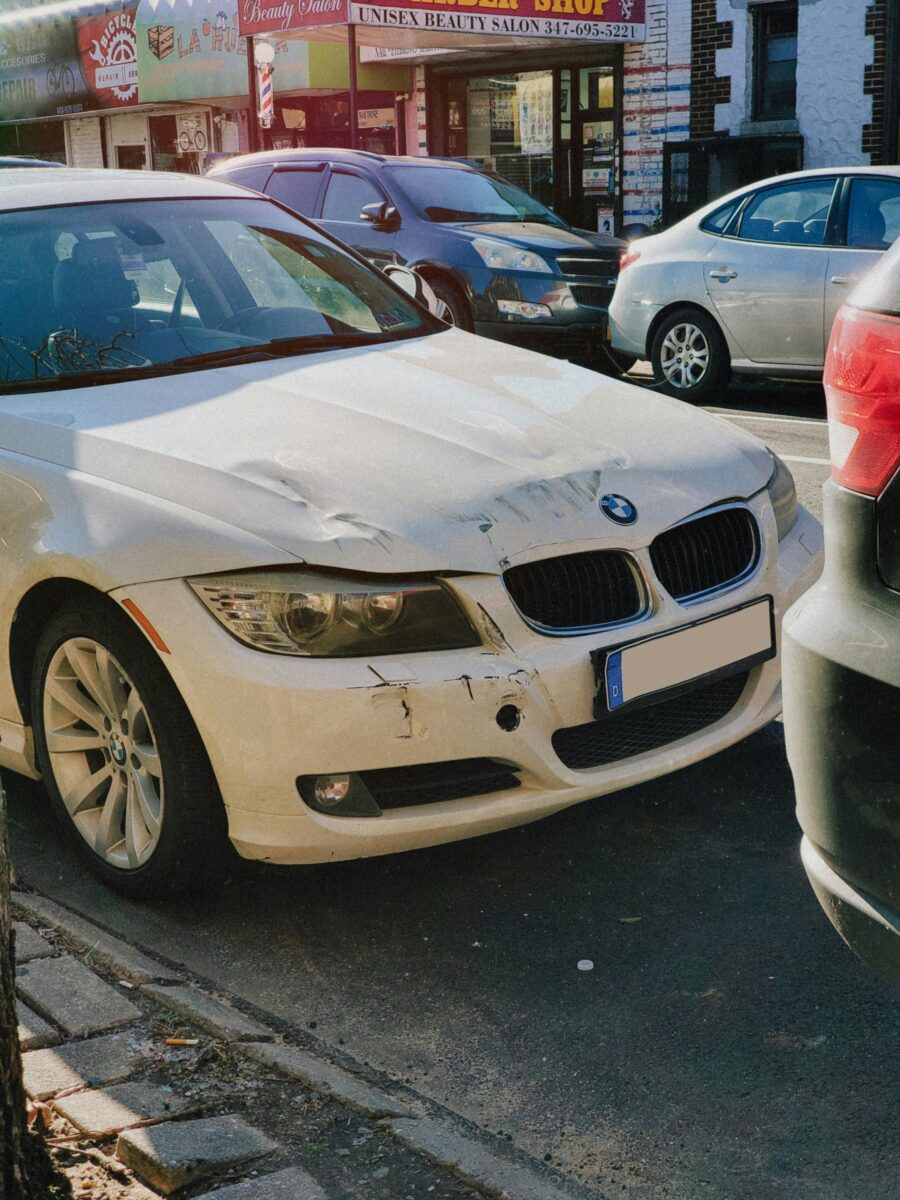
{"type": "Point", "coordinates": [50, 67]}
{"type": "Point", "coordinates": [582, 20]}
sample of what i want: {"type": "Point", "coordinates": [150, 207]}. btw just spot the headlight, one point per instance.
{"type": "Point", "coordinates": [324, 616]}
{"type": "Point", "coordinates": [502, 256]}
{"type": "Point", "coordinates": [783, 494]}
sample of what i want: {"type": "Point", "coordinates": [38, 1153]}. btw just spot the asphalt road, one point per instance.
{"type": "Point", "coordinates": [726, 1045]}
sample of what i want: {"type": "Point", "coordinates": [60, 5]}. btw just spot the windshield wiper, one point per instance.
{"type": "Point", "coordinates": [284, 347]}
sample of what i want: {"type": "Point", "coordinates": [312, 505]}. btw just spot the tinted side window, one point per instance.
{"type": "Point", "coordinates": [873, 221]}
{"type": "Point", "coordinates": [296, 189]}
{"type": "Point", "coordinates": [249, 177]}
{"type": "Point", "coordinates": [347, 196]}
{"type": "Point", "coordinates": [717, 221]}
{"type": "Point", "coordinates": [796, 213]}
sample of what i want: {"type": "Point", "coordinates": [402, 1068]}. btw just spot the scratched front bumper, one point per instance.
{"type": "Point", "coordinates": [267, 719]}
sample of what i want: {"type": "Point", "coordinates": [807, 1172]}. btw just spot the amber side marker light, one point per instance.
{"type": "Point", "coordinates": [862, 387]}
{"type": "Point", "coordinates": [146, 625]}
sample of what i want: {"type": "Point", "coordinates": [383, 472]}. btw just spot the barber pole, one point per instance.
{"type": "Point", "coordinates": [266, 97]}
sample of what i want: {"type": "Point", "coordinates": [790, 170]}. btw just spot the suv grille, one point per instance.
{"type": "Point", "coordinates": [625, 734]}
{"type": "Point", "coordinates": [708, 554]}
{"type": "Point", "coordinates": [592, 267]}
{"type": "Point", "coordinates": [577, 591]}
{"type": "Point", "coordinates": [591, 296]}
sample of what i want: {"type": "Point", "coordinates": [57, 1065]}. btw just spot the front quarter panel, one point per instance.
{"type": "Point", "coordinates": [59, 523]}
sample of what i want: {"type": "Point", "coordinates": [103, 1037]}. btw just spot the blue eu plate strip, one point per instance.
{"type": "Point", "coordinates": [614, 697]}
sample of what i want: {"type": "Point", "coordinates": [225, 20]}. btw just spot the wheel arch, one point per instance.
{"type": "Point", "coordinates": [690, 305]}
{"type": "Point", "coordinates": [33, 611]}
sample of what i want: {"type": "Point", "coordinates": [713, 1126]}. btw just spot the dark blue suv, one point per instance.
{"type": "Point", "coordinates": [504, 265]}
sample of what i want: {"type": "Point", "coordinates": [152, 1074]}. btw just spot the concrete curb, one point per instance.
{"type": "Point", "coordinates": [326, 1079]}
{"type": "Point", "coordinates": [507, 1176]}
{"type": "Point", "coordinates": [110, 951]}
{"type": "Point", "coordinates": [473, 1162]}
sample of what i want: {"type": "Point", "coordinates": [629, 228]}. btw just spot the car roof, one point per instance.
{"type": "Point", "coordinates": [336, 155]}
{"type": "Point", "coordinates": [27, 188]}
{"type": "Point", "coordinates": [791, 176]}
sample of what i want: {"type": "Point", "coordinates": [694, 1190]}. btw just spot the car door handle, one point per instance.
{"type": "Point", "coordinates": [843, 279]}
{"type": "Point", "coordinates": [723, 273]}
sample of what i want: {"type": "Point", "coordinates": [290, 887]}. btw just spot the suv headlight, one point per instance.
{"type": "Point", "coordinates": [324, 616]}
{"type": "Point", "coordinates": [503, 256]}
{"type": "Point", "coordinates": [783, 494]}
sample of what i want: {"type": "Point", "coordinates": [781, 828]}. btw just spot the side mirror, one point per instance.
{"type": "Point", "coordinates": [381, 216]}
{"type": "Point", "coordinates": [417, 288]}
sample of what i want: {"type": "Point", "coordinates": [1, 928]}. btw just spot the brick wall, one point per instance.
{"type": "Point", "coordinates": [708, 35]}
{"type": "Point", "coordinates": [656, 102]}
{"type": "Point", "coordinates": [874, 82]}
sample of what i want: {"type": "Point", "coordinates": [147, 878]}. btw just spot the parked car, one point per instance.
{"type": "Point", "coordinates": [504, 265]}
{"type": "Point", "coordinates": [9, 161]}
{"type": "Point", "coordinates": [842, 666]}
{"type": "Point", "coordinates": [751, 282]}
{"type": "Point", "coordinates": [287, 561]}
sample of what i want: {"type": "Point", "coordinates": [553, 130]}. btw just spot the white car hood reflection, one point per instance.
{"type": "Point", "coordinates": [447, 452]}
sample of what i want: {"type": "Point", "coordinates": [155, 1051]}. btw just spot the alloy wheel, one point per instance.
{"type": "Point", "coordinates": [103, 753]}
{"type": "Point", "coordinates": [684, 355]}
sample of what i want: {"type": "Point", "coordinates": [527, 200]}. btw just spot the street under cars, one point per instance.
{"type": "Point", "coordinates": [287, 562]}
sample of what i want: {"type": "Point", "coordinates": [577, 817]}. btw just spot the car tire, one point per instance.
{"type": "Point", "coordinates": [125, 768]}
{"type": "Point", "coordinates": [457, 312]}
{"type": "Point", "coordinates": [689, 355]}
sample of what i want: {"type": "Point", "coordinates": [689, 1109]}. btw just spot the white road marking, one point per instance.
{"type": "Point", "coordinates": [733, 416]}
{"type": "Point", "coordinates": [800, 458]}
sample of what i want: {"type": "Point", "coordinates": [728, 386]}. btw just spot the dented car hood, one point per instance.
{"type": "Point", "coordinates": [448, 452]}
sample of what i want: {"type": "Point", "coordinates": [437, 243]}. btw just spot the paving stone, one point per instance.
{"type": "Point", "coordinates": [110, 951]}
{"type": "Point", "coordinates": [332, 1081]}
{"type": "Point", "coordinates": [93, 1063]}
{"type": "Point", "coordinates": [177, 1153]}
{"type": "Point", "coordinates": [212, 1015]}
{"type": "Point", "coordinates": [65, 991]}
{"type": "Point", "coordinates": [292, 1184]}
{"type": "Point", "coordinates": [30, 944]}
{"type": "Point", "coordinates": [33, 1030]}
{"type": "Point", "coordinates": [474, 1163]}
{"type": "Point", "coordinates": [115, 1108]}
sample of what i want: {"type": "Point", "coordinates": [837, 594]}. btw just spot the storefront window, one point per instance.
{"type": "Point", "coordinates": [506, 122]}
{"type": "Point", "coordinates": [554, 132]}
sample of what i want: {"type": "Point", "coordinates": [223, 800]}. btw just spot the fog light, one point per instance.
{"type": "Point", "coordinates": [343, 795]}
{"type": "Point", "coordinates": [523, 308]}
{"type": "Point", "coordinates": [330, 790]}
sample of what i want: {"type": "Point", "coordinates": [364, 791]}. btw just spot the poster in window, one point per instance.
{"type": "Point", "coordinates": [535, 101]}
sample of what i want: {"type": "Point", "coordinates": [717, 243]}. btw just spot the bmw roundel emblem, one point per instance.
{"type": "Point", "coordinates": [618, 509]}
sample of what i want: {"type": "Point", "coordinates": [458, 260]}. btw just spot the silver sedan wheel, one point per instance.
{"type": "Point", "coordinates": [684, 355]}
{"type": "Point", "coordinates": [103, 753]}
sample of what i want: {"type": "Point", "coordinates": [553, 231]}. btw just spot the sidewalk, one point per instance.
{"type": "Point", "coordinates": [147, 1086]}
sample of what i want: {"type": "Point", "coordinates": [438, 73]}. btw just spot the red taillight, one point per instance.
{"type": "Point", "coordinates": [629, 256]}
{"type": "Point", "coordinates": [862, 385]}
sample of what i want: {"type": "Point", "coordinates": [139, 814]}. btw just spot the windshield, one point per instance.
{"type": "Point", "coordinates": [157, 286]}
{"type": "Point", "coordinates": [445, 194]}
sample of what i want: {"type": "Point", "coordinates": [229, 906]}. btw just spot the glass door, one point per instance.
{"type": "Point", "coordinates": [596, 157]}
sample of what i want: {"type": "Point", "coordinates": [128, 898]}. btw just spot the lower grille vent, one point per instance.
{"type": "Point", "coordinates": [625, 734]}
{"type": "Point", "coordinates": [430, 783]}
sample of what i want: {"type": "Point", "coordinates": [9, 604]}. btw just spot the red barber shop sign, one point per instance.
{"type": "Point", "coordinates": [584, 20]}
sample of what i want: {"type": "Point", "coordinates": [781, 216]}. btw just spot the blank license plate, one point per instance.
{"type": "Point", "coordinates": [716, 647]}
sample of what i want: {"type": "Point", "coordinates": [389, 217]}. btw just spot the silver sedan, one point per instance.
{"type": "Point", "coordinates": [752, 282]}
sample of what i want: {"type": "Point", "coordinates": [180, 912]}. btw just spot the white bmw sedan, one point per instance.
{"type": "Point", "coordinates": [287, 564]}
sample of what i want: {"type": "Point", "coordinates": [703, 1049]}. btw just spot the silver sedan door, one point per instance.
{"type": "Point", "coordinates": [872, 224]}
{"type": "Point", "coordinates": [766, 281]}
